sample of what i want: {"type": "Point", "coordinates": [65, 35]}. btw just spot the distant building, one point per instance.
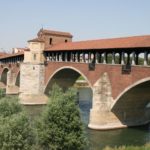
{"type": "Point", "coordinates": [18, 50]}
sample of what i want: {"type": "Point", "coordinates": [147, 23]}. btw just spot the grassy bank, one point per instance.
{"type": "Point", "coordinates": [145, 147]}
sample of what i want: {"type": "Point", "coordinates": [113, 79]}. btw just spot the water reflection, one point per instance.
{"type": "Point", "coordinates": [100, 139]}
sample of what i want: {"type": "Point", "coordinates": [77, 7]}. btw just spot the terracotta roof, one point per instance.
{"type": "Point", "coordinates": [67, 34]}
{"type": "Point", "coordinates": [36, 40]}
{"type": "Point", "coordinates": [12, 55]}
{"type": "Point", "coordinates": [2, 54]}
{"type": "Point", "coordinates": [125, 42]}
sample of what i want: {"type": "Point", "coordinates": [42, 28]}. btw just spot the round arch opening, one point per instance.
{"type": "Point", "coordinates": [132, 107]}
{"type": "Point", "coordinates": [4, 76]}
{"type": "Point", "coordinates": [69, 77]}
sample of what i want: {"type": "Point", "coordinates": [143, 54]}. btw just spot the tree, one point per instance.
{"type": "Point", "coordinates": [60, 127]}
{"type": "Point", "coordinates": [15, 129]}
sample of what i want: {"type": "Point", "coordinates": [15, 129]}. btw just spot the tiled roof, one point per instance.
{"type": "Point", "coordinates": [11, 55]}
{"type": "Point", "coordinates": [36, 40]}
{"type": "Point", "coordinates": [2, 54]}
{"type": "Point", "coordinates": [56, 33]}
{"type": "Point", "coordinates": [125, 42]}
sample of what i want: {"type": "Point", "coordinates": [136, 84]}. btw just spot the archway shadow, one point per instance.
{"type": "Point", "coordinates": [132, 107]}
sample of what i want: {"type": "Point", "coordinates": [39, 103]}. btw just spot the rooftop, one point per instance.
{"type": "Point", "coordinates": [45, 31]}
{"type": "Point", "coordinates": [117, 43]}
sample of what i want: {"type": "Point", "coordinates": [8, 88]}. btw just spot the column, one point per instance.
{"type": "Point", "coordinates": [83, 56]}
{"type": "Point", "coordinates": [113, 58]}
{"type": "Point", "coordinates": [66, 56]}
{"type": "Point", "coordinates": [60, 57]}
{"type": "Point", "coordinates": [56, 56]}
{"type": "Point", "coordinates": [133, 58]}
{"type": "Point", "coordinates": [137, 58]}
{"type": "Point", "coordinates": [128, 58]}
{"type": "Point", "coordinates": [122, 58]}
{"type": "Point", "coordinates": [96, 58]}
{"type": "Point", "coordinates": [104, 59]}
{"type": "Point", "coordinates": [89, 57]}
{"type": "Point", "coordinates": [145, 58]}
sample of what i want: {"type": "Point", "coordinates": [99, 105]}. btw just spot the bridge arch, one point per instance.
{"type": "Point", "coordinates": [4, 76]}
{"type": "Point", "coordinates": [132, 106]}
{"type": "Point", "coordinates": [131, 86]}
{"type": "Point", "coordinates": [66, 77]}
{"type": "Point", "coordinates": [60, 71]}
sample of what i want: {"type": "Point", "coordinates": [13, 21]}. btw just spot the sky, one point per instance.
{"type": "Point", "coordinates": [20, 20]}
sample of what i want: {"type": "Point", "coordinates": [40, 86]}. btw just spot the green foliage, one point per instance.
{"type": "Point", "coordinates": [81, 78]}
{"type": "Point", "coordinates": [9, 106]}
{"type": "Point", "coordinates": [145, 147]}
{"type": "Point", "coordinates": [60, 127]}
{"type": "Point", "coordinates": [2, 93]}
{"type": "Point", "coordinates": [15, 130]}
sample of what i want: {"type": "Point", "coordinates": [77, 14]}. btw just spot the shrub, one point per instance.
{"type": "Point", "coordinates": [15, 129]}
{"type": "Point", "coordinates": [60, 127]}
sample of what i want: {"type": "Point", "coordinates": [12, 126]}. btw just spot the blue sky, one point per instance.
{"type": "Point", "coordinates": [20, 20]}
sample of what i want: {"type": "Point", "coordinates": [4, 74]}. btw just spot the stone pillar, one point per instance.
{"type": "Point", "coordinates": [11, 88]}
{"type": "Point", "coordinates": [104, 59]}
{"type": "Point", "coordinates": [96, 58]}
{"type": "Point", "coordinates": [122, 58]}
{"type": "Point", "coordinates": [113, 58]}
{"type": "Point", "coordinates": [101, 116]}
{"type": "Point", "coordinates": [133, 58]}
{"type": "Point", "coordinates": [60, 57]}
{"type": "Point", "coordinates": [66, 57]}
{"type": "Point", "coordinates": [71, 57]}
{"type": "Point", "coordinates": [145, 58]}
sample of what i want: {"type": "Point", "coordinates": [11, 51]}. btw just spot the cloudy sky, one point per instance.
{"type": "Point", "coordinates": [20, 20]}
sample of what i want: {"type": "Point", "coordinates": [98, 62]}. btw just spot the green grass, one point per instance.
{"type": "Point", "coordinates": [145, 147]}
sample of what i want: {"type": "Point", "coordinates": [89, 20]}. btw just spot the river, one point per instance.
{"type": "Point", "coordinates": [99, 139]}
{"type": "Point", "coordinates": [128, 136]}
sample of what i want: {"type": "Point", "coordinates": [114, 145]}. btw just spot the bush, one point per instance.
{"type": "Point", "coordinates": [60, 127]}
{"type": "Point", "coordinates": [2, 93]}
{"type": "Point", "coordinates": [15, 130]}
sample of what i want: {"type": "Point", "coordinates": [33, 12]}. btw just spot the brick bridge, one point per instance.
{"type": "Point", "coordinates": [117, 71]}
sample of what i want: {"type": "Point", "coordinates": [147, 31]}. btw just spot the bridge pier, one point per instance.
{"type": "Point", "coordinates": [32, 73]}
{"type": "Point", "coordinates": [11, 87]}
{"type": "Point", "coordinates": [101, 116]}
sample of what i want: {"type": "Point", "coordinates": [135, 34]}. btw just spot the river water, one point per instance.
{"type": "Point", "coordinates": [99, 139]}
{"type": "Point", "coordinates": [128, 136]}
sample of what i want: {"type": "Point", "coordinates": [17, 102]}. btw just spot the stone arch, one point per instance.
{"type": "Point", "coordinates": [131, 86]}
{"type": "Point", "coordinates": [66, 77]}
{"type": "Point", "coordinates": [130, 106]}
{"type": "Point", "coordinates": [4, 76]}
{"type": "Point", "coordinates": [64, 68]}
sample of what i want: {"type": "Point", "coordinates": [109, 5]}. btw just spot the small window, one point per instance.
{"type": "Point", "coordinates": [66, 41]}
{"type": "Point", "coordinates": [50, 41]}
{"type": "Point", "coordinates": [34, 56]}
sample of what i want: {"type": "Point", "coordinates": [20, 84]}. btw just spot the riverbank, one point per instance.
{"type": "Point", "coordinates": [145, 147]}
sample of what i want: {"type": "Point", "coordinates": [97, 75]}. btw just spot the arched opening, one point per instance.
{"type": "Point", "coordinates": [18, 80]}
{"type": "Point", "coordinates": [69, 77]}
{"type": "Point", "coordinates": [132, 108]}
{"type": "Point", "coordinates": [4, 76]}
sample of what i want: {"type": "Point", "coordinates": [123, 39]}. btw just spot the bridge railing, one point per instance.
{"type": "Point", "coordinates": [132, 57]}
